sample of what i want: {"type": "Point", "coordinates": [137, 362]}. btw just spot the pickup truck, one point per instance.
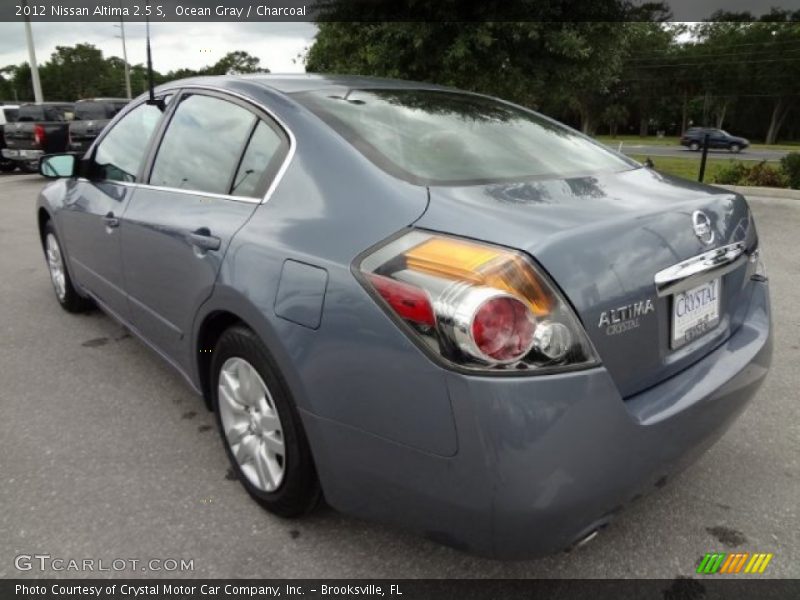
{"type": "Point", "coordinates": [91, 116]}
{"type": "Point", "coordinates": [40, 129]}
{"type": "Point", "coordinates": [8, 114]}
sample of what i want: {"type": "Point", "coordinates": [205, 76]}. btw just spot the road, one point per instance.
{"type": "Point", "coordinates": [681, 152]}
{"type": "Point", "coordinates": [107, 454]}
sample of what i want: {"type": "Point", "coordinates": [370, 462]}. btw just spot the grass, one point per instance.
{"type": "Point", "coordinates": [635, 140]}
{"type": "Point", "coordinates": [688, 168]}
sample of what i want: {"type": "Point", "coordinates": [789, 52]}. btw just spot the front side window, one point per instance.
{"type": "Point", "coordinates": [121, 152]}
{"type": "Point", "coordinates": [449, 138]}
{"type": "Point", "coordinates": [202, 145]}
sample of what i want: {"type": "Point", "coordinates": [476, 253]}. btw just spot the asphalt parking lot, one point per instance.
{"type": "Point", "coordinates": [106, 453]}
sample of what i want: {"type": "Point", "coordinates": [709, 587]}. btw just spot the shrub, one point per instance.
{"type": "Point", "coordinates": [731, 174]}
{"type": "Point", "coordinates": [790, 164]}
{"type": "Point", "coordinates": [759, 174]}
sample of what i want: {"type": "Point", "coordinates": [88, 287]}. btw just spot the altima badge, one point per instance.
{"type": "Point", "coordinates": [702, 227]}
{"type": "Point", "coordinates": [619, 320]}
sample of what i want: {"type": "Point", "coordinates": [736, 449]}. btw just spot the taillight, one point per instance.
{"type": "Point", "coordinates": [476, 305]}
{"type": "Point", "coordinates": [38, 135]}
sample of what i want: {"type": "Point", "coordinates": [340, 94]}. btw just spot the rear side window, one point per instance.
{"type": "Point", "coordinates": [120, 153]}
{"type": "Point", "coordinates": [201, 148]}
{"type": "Point", "coordinates": [449, 138]}
{"type": "Point", "coordinates": [262, 157]}
{"type": "Point", "coordinates": [11, 114]}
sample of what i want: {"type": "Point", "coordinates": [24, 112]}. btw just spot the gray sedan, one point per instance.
{"type": "Point", "coordinates": [431, 307]}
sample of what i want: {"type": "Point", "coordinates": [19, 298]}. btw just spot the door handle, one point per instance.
{"type": "Point", "coordinates": [203, 240]}
{"type": "Point", "coordinates": [111, 221]}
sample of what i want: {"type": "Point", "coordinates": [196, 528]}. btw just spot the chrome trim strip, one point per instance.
{"type": "Point", "coordinates": [693, 271]}
{"type": "Point", "coordinates": [275, 180]}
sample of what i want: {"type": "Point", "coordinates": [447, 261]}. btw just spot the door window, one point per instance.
{"type": "Point", "coordinates": [263, 156]}
{"type": "Point", "coordinates": [120, 153]}
{"type": "Point", "coordinates": [202, 145]}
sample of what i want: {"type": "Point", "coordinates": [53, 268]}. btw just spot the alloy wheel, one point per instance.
{"type": "Point", "coordinates": [55, 263]}
{"type": "Point", "coordinates": [251, 424]}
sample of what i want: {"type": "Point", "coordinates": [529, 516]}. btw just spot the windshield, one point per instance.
{"type": "Point", "coordinates": [449, 138]}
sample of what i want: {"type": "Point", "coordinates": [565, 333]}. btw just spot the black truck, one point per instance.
{"type": "Point", "coordinates": [91, 116]}
{"type": "Point", "coordinates": [40, 129]}
{"type": "Point", "coordinates": [8, 114]}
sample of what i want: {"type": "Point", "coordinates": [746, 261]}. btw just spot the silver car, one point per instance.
{"type": "Point", "coordinates": [433, 307]}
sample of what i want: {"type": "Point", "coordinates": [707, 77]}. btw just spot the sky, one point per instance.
{"type": "Point", "coordinates": [174, 45]}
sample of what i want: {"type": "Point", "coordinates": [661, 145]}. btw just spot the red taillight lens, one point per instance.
{"type": "Point", "coordinates": [409, 302]}
{"type": "Point", "coordinates": [502, 329]}
{"type": "Point", "coordinates": [38, 135]}
{"type": "Point", "coordinates": [479, 306]}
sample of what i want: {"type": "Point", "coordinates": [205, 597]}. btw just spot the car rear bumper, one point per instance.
{"type": "Point", "coordinates": [542, 462]}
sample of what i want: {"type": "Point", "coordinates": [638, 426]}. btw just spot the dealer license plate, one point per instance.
{"type": "Point", "coordinates": [695, 312]}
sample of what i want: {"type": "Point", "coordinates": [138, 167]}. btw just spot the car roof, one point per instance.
{"type": "Point", "coordinates": [101, 100]}
{"type": "Point", "coordinates": [306, 82]}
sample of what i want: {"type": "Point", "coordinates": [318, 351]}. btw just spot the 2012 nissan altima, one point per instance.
{"type": "Point", "coordinates": [433, 307]}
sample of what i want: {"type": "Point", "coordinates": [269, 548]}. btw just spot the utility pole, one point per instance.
{"type": "Point", "coordinates": [125, 58]}
{"type": "Point", "coordinates": [37, 85]}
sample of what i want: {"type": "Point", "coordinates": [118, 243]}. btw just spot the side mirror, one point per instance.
{"type": "Point", "coordinates": [54, 166]}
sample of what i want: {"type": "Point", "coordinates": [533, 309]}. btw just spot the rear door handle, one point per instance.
{"type": "Point", "coordinates": [203, 240]}
{"type": "Point", "coordinates": [111, 221]}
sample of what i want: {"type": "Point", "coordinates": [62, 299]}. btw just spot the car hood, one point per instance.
{"type": "Point", "coordinates": [602, 239]}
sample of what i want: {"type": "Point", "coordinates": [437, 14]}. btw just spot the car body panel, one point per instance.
{"type": "Point", "coordinates": [167, 276]}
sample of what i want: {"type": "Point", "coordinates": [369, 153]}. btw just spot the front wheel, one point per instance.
{"type": "Point", "coordinates": [260, 426]}
{"type": "Point", "coordinates": [67, 296]}
{"type": "Point", "coordinates": [30, 167]}
{"type": "Point", "coordinates": [694, 146]}
{"type": "Point", "coordinates": [735, 148]}
{"type": "Point", "coordinates": [7, 166]}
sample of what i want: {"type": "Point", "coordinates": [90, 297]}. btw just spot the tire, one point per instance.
{"type": "Point", "coordinates": [29, 167]}
{"type": "Point", "coordinates": [735, 148]}
{"type": "Point", "coordinates": [694, 146]}
{"type": "Point", "coordinates": [7, 167]}
{"type": "Point", "coordinates": [257, 410]}
{"type": "Point", "coordinates": [69, 299]}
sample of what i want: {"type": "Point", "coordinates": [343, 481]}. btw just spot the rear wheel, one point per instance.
{"type": "Point", "coordinates": [694, 146]}
{"type": "Point", "coordinates": [260, 426]}
{"type": "Point", "coordinates": [67, 296]}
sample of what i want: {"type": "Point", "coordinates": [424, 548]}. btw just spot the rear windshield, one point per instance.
{"type": "Point", "coordinates": [33, 112]}
{"type": "Point", "coordinates": [94, 111]}
{"type": "Point", "coordinates": [447, 138]}
{"type": "Point", "coordinates": [10, 114]}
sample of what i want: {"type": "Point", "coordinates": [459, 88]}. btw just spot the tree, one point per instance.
{"type": "Point", "coordinates": [236, 63]}
{"type": "Point", "coordinates": [614, 115]}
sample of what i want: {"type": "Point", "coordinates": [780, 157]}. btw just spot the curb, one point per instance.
{"type": "Point", "coordinates": [765, 192]}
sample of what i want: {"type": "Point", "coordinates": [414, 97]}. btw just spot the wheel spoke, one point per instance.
{"type": "Point", "coordinates": [245, 452]}
{"type": "Point", "coordinates": [228, 396]}
{"type": "Point", "coordinates": [262, 469]}
{"type": "Point", "coordinates": [269, 422]}
{"type": "Point", "coordinates": [237, 433]}
{"type": "Point", "coordinates": [274, 444]}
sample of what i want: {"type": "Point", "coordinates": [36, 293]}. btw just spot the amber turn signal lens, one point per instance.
{"type": "Point", "coordinates": [481, 265]}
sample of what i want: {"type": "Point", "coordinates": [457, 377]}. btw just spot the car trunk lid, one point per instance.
{"type": "Point", "coordinates": [603, 239]}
